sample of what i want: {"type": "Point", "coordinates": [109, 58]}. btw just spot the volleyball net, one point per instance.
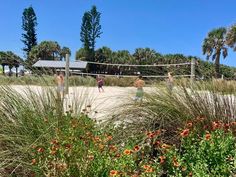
{"type": "Point", "coordinates": [147, 71]}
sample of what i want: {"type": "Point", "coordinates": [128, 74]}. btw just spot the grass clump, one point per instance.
{"type": "Point", "coordinates": [189, 131]}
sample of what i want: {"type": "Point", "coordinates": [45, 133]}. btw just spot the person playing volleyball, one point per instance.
{"type": "Point", "coordinates": [100, 83]}
{"type": "Point", "coordinates": [139, 84]}
{"type": "Point", "coordinates": [170, 81]}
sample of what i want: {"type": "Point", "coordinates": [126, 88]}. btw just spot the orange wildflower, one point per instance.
{"type": "Point", "coordinates": [127, 152]}
{"type": "Point", "coordinates": [149, 170]}
{"type": "Point", "coordinates": [68, 146]}
{"type": "Point", "coordinates": [200, 118]}
{"type": "Point", "coordinates": [175, 162]}
{"type": "Point", "coordinates": [150, 135]}
{"type": "Point", "coordinates": [158, 132]}
{"type": "Point", "coordinates": [113, 148]}
{"type": "Point", "coordinates": [101, 146]}
{"type": "Point", "coordinates": [90, 157]}
{"type": "Point", "coordinates": [189, 124]}
{"type": "Point", "coordinates": [146, 167]}
{"type": "Point", "coordinates": [157, 143]}
{"type": "Point", "coordinates": [233, 123]}
{"type": "Point", "coordinates": [184, 133]}
{"type": "Point", "coordinates": [61, 166]}
{"type": "Point", "coordinates": [55, 148]}
{"type": "Point", "coordinates": [117, 155]}
{"type": "Point", "coordinates": [40, 150]}
{"type": "Point", "coordinates": [109, 138]}
{"type": "Point", "coordinates": [53, 152]}
{"type": "Point", "coordinates": [136, 148]}
{"type": "Point", "coordinates": [33, 161]}
{"type": "Point", "coordinates": [216, 125]}
{"type": "Point", "coordinates": [54, 141]}
{"type": "Point", "coordinates": [226, 126]}
{"type": "Point", "coordinates": [97, 139]}
{"type": "Point", "coordinates": [208, 136]}
{"type": "Point", "coordinates": [165, 146]}
{"type": "Point", "coordinates": [135, 175]}
{"type": "Point", "coordinates": [205, 127]}
{"type": "Point", "coordinates": [113, 172]}
{"type": "Point", "coordinates": [162, 159]}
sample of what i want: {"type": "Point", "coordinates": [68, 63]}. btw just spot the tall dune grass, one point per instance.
{"type": "Point", "coordinates": [162, 109]}
{"type": "Point", "coordinates": [29, 117]}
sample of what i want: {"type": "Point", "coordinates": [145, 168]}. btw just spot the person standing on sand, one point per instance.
{"type": "Point", "coordinates": [139, 84]}
{"type": "Point", "coordinates": [60, 84]}
{"type": "Point", "coordinates": [100, 83]}
{"type": "Point", "coordinates": [170, 81]}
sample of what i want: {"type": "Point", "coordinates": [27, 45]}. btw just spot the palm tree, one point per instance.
{"type": "Point", "coordinates": [46, 50]}
{"type": "Point", "coordinates": [13, 60]}
{"type": "Point", "coordinates": [231, 37]}
{"type": "Point", "coordinates": [145, 55]}
{"type": "Point", "coordinates": [214, 45]}
{"type": "Point", "coordinates": [10, 59]}
{"type": "Point", "coordinates": [63, 52]}
{"type": "Point", "coordinates": [3, 61]}
{"type": "Point", "coordinates": [80, 54]}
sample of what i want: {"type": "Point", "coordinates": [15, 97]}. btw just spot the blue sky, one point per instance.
{"type": "Point", "coordinates": [168, 26]}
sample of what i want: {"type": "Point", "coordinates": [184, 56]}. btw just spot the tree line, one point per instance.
{"type": "Point", "coordinates": [216, 44]}
{"type": "Point", "coordinates": [147, 56]}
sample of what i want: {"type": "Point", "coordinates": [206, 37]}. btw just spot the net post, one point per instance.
{"type": "Point", "coordinates": [192, 70]}
{"type": "Point", "coordinates": [67, 74]}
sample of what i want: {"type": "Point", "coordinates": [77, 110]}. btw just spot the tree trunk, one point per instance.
{"type": "Point", "coordinates": [10, 72]}
{"type": "Point", "coordinates": [217, 65]}
{"type": "Point", "coordinates": [3, 69]}
{"type": "Point", "coordinates": [16, 71]}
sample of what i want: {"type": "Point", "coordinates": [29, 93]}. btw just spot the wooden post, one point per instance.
{"type": "Point", "coordinates": [67, 74]}
{"type": "Point", "coordinates": [192, 69]}
{"type": "Point", "coordinates": [222, 76]}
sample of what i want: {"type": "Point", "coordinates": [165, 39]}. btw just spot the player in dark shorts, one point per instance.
{"type": "Point", "coordinates": [100, 83]}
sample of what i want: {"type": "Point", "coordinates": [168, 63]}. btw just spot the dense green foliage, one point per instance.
{"type": "Point", "coordinates": [204, 69]}
{"type": "Point", "coordinates": [29, 23]}
{"type": "Point", "coordinates": [47, 50]}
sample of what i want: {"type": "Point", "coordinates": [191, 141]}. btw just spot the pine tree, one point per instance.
{"type": "Point", "coordinates": [29, 23]}
{"type": "Point", "coordinates": [96, 26]}
{"type": "Point", "coordinates": [85, 34]}
{"type": "Point", "coordinates": [90, 30]}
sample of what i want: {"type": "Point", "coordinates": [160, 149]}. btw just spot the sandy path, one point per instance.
{"type": "Point", "coordinates": [102, 104]}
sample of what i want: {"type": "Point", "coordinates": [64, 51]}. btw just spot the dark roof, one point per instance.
{"type": "Point", "coordinates": [60, 64]}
